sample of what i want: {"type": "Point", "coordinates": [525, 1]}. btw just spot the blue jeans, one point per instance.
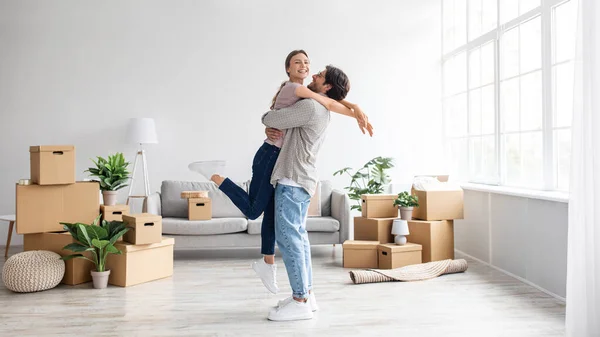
{"type": "Point", "coordinates": [291, 208]}
{"type": "Point", "coordinates": [260, 198]}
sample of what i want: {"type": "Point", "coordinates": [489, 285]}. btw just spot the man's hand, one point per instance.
{"type": "Point", "coordinates": [363, 121]}
{"type": "Point", "coordinates": [273, 134]}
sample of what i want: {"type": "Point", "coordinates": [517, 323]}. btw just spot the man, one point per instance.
{"type": "Point", "coordinates": [295, 179]}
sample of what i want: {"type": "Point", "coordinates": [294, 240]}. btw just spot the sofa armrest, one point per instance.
{"type": "Point", "coordinates": [152, 204]}
{"type": "Point", "coordinates": [340, 210]}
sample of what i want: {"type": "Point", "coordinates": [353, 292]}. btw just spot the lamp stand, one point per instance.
{"type": "Point", "coordinates": [141, 154]}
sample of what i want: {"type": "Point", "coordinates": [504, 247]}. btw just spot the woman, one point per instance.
{"type": "Point", "coordinates": [259, 200]}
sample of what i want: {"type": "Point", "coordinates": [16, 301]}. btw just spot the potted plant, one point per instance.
{"type": "Point", "coordinates": [112, 175]}
{"type": "Point", "coordinates": [406, 202]}
{"type": "Point", "coordinates": [369, 179]}
{"type": "Point", "coordinates": [97, 239]}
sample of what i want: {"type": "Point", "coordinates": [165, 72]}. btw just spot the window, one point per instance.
{"type": "Point", "coordinates": [508, 90]}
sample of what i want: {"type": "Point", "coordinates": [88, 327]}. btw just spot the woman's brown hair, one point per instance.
{"type": "Point", "coordinates": [288, 59]}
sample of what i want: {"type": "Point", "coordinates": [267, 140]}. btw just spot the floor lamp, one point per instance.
{"type": "Point", "coordinates": [141, 131]}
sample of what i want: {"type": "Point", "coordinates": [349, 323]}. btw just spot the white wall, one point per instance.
{"type": "Point", "coordinates": [74, 72]}
{"type": "Point", "coordinates": [523, 236]}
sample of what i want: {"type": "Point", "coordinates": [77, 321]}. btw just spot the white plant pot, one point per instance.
{"type": "Point", "coordinates": [109, 198]}
{"type": "Point", "coordinates": [406, 213]}
{"type": "Point", "coordinates": [100, 278]}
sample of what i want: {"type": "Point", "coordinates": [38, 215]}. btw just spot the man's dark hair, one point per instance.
{"type": "Point", "coordinates": [340, 84]}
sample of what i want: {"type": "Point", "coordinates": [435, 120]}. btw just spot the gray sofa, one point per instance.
{"type": "Point", "coordinates": [229, 228]}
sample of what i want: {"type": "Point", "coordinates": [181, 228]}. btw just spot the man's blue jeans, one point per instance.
{"type": "Point", "coordinates": [260, 197]}
{"type": "Point", "coordinates": [291, 208]}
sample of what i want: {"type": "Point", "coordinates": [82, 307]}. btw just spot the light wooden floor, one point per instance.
{"type": "Point", "coordinates": [217, 293]}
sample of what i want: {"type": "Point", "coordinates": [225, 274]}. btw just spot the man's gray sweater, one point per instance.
{"type": "Point", "coordinates": [306, 123]}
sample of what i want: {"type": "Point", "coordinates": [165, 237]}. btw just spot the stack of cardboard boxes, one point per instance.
{"type": "Point", "coordinates": [373, 245]}
{"type": "Point", "coordinates": [54, 196]}
{"type": "Point", "coordinates": [431, 235]}
{"type": "Point", "coordinates": [199, 205]}
{"type": "Point", "coordinates": [433, 221]}
{"type": "Point", "coordinates": [145, 254]}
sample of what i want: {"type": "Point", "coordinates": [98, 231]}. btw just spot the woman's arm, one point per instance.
{"type": "Point", "coordinates": [328, 103]}
{"type": "Point", "coordinates": [342, 107]}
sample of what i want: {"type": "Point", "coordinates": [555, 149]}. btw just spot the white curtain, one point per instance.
{"type": "Point", "coordinates": [583, 262]}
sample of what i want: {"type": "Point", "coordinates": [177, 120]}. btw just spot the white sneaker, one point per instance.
{"type": "Point", "coordinates": [291, 311]}
{"type": "Point", "coordinates": [267, 274]}
{"type": "Point", "coordinates": [312, 301]}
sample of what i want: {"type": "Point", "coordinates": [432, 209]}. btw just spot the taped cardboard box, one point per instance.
{"type": "Point", "coordinates": [442, 204]}
{"type": "Point", "coordinates": [360, 254]}
{"type": "Point", "coordinates": [40, 208]}
{"type": "Point", "coordinates": [436, 237]}
{"type": "Point", "coordinates": [199, 209]}
{"type": "Point", "coordinates": [392, 256]}
{"type": "Point", "coordinates": [52, 164]}
{"type": "Point", "coordinates": [140, 263]}
{"type": "Point", "coordinates": [77, 270]}
{"type": "Point", "coordinates": [379, 230]}
{"type": "Point", "coordinates": [146, 228]}
{"type": "Point", "coordinates": [114, 213]}
{"type": "Point", "coordinates": [379, 206]}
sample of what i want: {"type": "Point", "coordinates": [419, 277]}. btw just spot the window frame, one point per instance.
{"type": "Point", "coordinates": [546, 13]}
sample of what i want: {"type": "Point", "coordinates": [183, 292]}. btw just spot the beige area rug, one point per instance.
{"type": "Point", "coordinates": [415, 272]}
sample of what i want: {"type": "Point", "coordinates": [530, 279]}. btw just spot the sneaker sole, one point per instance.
{"type": "Point", "coordinates": [266, 284]}
{"type": "Point", "coordinates": [311, 308]}
{"type": "Point", "coordinates": [295, 318]}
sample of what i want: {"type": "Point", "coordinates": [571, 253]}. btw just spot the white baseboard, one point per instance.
{"type": "Point", "coordinates": [514, 276]}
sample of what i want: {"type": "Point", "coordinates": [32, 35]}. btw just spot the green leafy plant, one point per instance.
{"type": "Point", "coordinates": [94, 238]}
{"type": "Point", "coordinates": [112, 174]}
{"type": "Point", "coordinates": [406, 200]}
{"type": "Point", "coordinates": [369, 179]}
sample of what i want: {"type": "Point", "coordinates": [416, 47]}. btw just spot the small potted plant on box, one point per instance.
{"type": "Point", "coordinates": [112, 175]}
{"type": "Point", "coordinates": [406, 202]}
{"type": "Point", "coordinates": [99, 241]}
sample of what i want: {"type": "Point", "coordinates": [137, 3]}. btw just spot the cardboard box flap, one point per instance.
{"type": "Point", "coordinates": [378, 196]}
{"type": "Point", "coordinates": [141, 218]}
{"type": "Point", "coordinates": [126, 247]}
{"type": "Point", "coordinates": [394, 248]}
{"type": "Point", "coordinates": [51, 148]}
{"type": "Point", "coordinates": [357, 244]}
{"type": "Point", "coordinates": [199, 200]}
{"type": "Point", "coordinates": [114, 208]}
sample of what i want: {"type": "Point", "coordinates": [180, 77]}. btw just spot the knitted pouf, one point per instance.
{"type": "Point", "coordinates": [34, 270]}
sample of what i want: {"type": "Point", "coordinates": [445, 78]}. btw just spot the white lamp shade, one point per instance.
{"type": "Point", "coordinates": [142, 131]}
{"type": "Point", "coordinates": [400, 227]}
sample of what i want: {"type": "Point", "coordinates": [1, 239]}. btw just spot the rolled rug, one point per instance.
{"type": "Point", "coordinates": [415, 272]}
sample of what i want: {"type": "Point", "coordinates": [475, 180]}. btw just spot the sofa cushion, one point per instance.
{"type": "Point", "coordinates": [326, 191]}
{"type": "Point", "coordinates": [316, 224]}
{"type": "Point", "coordinates": [173, 206]}
{"type": "Point", "coordinates": [181, 226]}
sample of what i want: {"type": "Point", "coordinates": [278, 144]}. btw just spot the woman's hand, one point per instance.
{"type": "Point", "coordinates": [273, 134]}
{"type": "Point", "coordinates": [363, 121]}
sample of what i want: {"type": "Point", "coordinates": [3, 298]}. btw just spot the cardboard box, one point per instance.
{"type": "Point", "coordinates": [392, 256]}
{"type": "Point", "coordinates": [140, 263]}
{"type": "Point", "coordinates": [77, 270]}
{"type": "Point", "coordinates": [199, 209]}
{"type": "Point", "coordinates": [146, 228]}
{"type": "Point", "coordinates": [40, 208]}
{"type": "Point", "coordinates": [373, 229]}
{"type": "Point", "coordinates": [436, 237]}
{"type": "Point", "coordinates": [360, 254]}
{"type": "Point", "coordinates": [379, 206]}
{"type": "Point", "coordinates": [114, 213]}
{"type": "Point", "coordinates": [439, 205]}
{"type": "Point", "coordinates": [52, 164]}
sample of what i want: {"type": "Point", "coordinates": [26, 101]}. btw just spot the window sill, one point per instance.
{"type": "Point", "coordinates": [518, 192]}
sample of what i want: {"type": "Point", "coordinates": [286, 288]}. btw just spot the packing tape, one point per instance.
{"type": "Point", "coordinates": [24, 182]}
